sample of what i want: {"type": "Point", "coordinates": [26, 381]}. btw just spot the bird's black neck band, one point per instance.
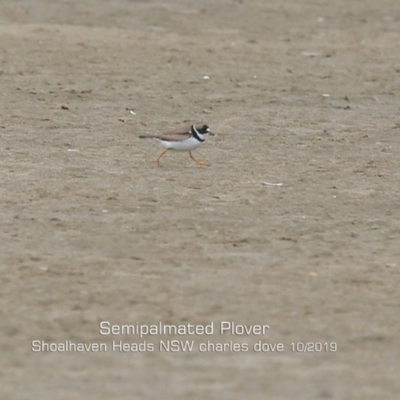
{"type": "Point", "coordinates": [196, 134]}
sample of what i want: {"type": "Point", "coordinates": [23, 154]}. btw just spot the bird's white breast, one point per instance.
{"type": "Point", "coordinates": [184, 145]}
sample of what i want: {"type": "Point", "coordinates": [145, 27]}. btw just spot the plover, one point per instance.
{"type": "Point", "coordinates": [186, 138]}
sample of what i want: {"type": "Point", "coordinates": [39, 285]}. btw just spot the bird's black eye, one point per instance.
{"type": "Point", "coordinates": [205, 128]}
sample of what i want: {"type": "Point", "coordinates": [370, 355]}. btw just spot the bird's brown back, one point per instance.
{"type": "Point", "coordinates": [175, 135]}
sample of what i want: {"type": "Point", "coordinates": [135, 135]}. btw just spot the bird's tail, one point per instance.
{"type": "Point", "coordinates": [146, 137]}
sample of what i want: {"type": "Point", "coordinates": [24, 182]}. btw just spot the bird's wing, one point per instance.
{"type": "Point", "coordinates": [175, 135]}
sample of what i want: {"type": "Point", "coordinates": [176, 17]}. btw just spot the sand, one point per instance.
{"type": "Point", "coordinates": [301, 95]}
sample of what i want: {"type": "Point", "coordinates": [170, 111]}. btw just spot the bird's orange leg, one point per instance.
{"type": "Point", "coordinates": [159, 157]}
{"type": "Point", "coordinates": [201, 163]}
